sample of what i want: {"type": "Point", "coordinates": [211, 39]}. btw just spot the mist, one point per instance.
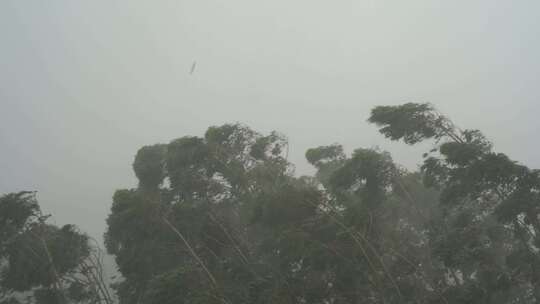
{"type": "Point", "coordinates": [84, 85]}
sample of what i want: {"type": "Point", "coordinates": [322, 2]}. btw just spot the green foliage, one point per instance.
{"type": "Point", "coordinates": [223, 219]}
{"type": "Point", "coordinates": [490, 206]}
{"type": "Point", "coordinates": [179, 286]}
{"type": "Point", "coordinates": [47, 263]}
{"type": "Point", "coordinates": [234, 225]}
{"type": "Point", "coordinates": [367, 173]}
{"type": "Point", "coordinates": [412, 122]}
{"type": "Point", "coordinates": [211, 180]}
{"type": "Point", "coordinates": [10, 300]}
{"type": "Point", "coordinates": [326, 159]}
{"type": "Point", "coordinates": [16, 210]}
{"type": "Point", "coordinates": [148, 165]}
{"type": "Point", "coordinates": [326, 154]}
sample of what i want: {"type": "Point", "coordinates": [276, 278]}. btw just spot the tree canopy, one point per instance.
{"type": "Point", "coordinates": [223, 218]}
{"type": "Point", "coordinates": [42, 263]}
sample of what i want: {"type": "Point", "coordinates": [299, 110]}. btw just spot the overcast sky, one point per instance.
{"type": "Point", "coordinates": [84, 84]}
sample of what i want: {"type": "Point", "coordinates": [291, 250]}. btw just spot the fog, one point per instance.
{"type": "Point", "coordinates": [84, 84]}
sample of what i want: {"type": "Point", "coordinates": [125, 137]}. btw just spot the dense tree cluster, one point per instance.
{"type": "Point", "coordinates": [223, 219]}
{"type": "Point", "coordinates": [487, 240]}
{"type": "Point", "coordinates": [42, 263]}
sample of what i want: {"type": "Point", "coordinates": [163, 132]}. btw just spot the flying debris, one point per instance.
{"type": "Point", "coordinates": [193, 67]}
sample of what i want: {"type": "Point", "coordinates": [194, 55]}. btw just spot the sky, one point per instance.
{"type": "Point", "coordinates": [84, 84]}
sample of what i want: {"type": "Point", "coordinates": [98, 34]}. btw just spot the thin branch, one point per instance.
{"type": "Point", "coordinates": [192, 252]}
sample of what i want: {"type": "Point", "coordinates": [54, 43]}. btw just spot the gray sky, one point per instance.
{"type": "Point", "coordinates": [84, 84]}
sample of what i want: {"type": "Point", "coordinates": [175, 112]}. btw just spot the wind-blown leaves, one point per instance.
{"type": "Point", "coordinates": [49, 264]}
{"type": "Point", "coordinates": [482, 192]}
{"type": "Point", "coordinates": [223, 219]}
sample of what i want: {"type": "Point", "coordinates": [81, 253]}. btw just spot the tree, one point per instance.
{"type": "Point", "coordinates": [488, 238]}
{"type": "Point", "coordinates": [188, 215]}
{"type": "Point", "coordinates": [52, 264]}
{"type": "Point", "coordinates": [223, 219]}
